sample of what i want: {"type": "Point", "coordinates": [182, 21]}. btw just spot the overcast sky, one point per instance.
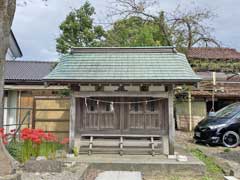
{"type": "Point", "coordinates": [36, 25]}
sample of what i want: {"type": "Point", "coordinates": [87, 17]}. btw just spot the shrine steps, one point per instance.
{"type": "Point", "coordinates": [120, 144]}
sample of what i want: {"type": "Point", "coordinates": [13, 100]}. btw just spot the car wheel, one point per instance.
{"type": "Point", "coordinates": [230, 139]}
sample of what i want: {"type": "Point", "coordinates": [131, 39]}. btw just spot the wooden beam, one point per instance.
{"type": "Point", "coordinates": [72, 122]}
{"type": "Point", "coordinates": [122, 94]}
{"type": "Point", "coordinates": [34, 113]}
{"type": "Point", "coordinates": [171, 123]}
{"type": "Point", "coordinates": [122, 115]}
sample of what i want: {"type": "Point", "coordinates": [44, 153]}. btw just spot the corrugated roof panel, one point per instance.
{"type": "Point", "coordinates": [27, 70]}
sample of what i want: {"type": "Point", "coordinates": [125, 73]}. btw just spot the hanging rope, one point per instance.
{"type": "Point", "coordinates": [121, 102]}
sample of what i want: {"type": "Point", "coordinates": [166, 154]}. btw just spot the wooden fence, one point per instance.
{"type": "Point", "coordinates": [199, 111]}
{"type": "Point", "coordinates": [52, 115]}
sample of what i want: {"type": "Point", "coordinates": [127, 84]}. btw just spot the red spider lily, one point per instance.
{"type": "Point", "coordinates": [40, 132]}
{"type": "Point", "coordinates": [45, 136]}
{"type": "Point", "coordinates": [37, 135]}
{"type": "Point", "coordinates": [25, 133]}
{"type": "Point", "coordinates": [24, 137]}
{"type": "Point", "coordinates": [5, 141]}
{"type": "Point", "coordinates": [1, 132]}
{"type": "Point", "coordinates": [65, 141]}
{"type": "Point", "coordinates": [37, 140]}
{"type": "Point", "coordinates": [51, 137]}
{"type": "Point", "coordinates": [3, 136]}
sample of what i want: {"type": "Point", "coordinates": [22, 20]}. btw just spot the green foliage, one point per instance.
{"type": "Point", "coordinates": [134, 31]}
{"type": "Point", "coordinates": [211, 166]}
{"type": "Point", "coordinates": [191, 178]}
{"type": "Point", "coordinates": [218, 66]}
{"type": "Point", "coordinates": [77, 30]}
{"type": "Point", "coordinates": [227, 150]}
{"type": "Point", "coordinates": [15, 150]}
{"type": "Point", "coordinates": [75, 151]}
{"type": "Point", "coordinates": [64, 92]}
{"type": "Point", "coordinates": [23, 151]}
{"type": "Point", "coordinates": [206, 178]}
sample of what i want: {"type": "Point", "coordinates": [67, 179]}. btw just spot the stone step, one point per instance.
{"type": "Point", "coordinates": [119, 175]}
{"type": "Point", "coordinates": [230, 178]}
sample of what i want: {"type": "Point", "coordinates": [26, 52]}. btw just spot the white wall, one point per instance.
{"type": "Point", "coordinates": [5, 110]}
{"type": "Point", "coordinates": [11, 114]}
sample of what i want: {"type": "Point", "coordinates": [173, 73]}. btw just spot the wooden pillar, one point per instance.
{"type": "Point", "coordinates": [34, 113]}
{"type": "Point", "coordinates": [171, 123]}
{"type": "Point", "coordinates": [122, 114]}
{"type": "Point", "coordinates": [72, 122]}
{"type": "Point", "coordinates": [190, 110]}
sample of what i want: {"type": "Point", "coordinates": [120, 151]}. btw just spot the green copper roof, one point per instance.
{"type": "Point", "coordinates": [123, 64]}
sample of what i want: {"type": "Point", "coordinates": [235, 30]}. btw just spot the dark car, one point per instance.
{"type": "Point", "coordinates": [222, 127]}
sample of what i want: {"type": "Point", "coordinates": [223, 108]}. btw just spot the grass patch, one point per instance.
{"type": "Point", "coordinates": [227, 150]}
{"type": "Point", "coordinates": [211, 166]}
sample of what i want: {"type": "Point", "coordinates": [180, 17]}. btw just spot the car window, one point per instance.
{"type": "Point", "coordinates": [228, 111]}
{"type": "Point", "coordinates": [237, 116]}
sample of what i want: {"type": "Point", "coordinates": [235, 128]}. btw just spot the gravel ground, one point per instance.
{"type": "Point", "coordinates": [232, 156]}
{"type": "Point", "coordinates": [186, 139]}
{"type": "Point", "coordinates": [51, 176]}
{"type": "Point", "coordinates": [70, 174]}
{"type": "Point", "coordinates": [226, 158]}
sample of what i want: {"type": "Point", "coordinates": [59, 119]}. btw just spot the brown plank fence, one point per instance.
{"type": "Point", "coordinates": [52, 115]}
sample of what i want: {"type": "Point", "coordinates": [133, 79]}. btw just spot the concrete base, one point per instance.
{"type": "Point", "coordinates": [230, 178]}
{"type": "Point", "coordinates": [43, 166]}
{"type": "Point", "coordinates": [119, 175]}
{"type": "Point", "coordinates": [11, 177]}
{"type": "Point", "coordinates": [148, 165]}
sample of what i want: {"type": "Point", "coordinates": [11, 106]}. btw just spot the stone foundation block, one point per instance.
{"type": "Point", "coordinates": [43, 166]}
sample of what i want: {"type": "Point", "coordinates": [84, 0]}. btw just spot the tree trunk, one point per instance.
{"type": "Point", "coordinates": [2, 61]}
{"type": "Point", "coordinates": [7, 11]}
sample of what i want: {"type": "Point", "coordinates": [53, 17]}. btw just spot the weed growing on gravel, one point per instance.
{"type": "Point", "coordinates": [227, 150]}
{"type": "Point", "coordinates": [211, 166]}
{"type": "Point", "coordinates": [175, 178]}
{"type": "Point", "coordinates": [206, 178]}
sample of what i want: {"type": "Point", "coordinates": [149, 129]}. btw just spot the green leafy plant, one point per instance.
{"type": "Point", "coordinates": [64, 92]}
{"type": "Point", "coordinates": [75, 151]}
{"type": "Point", "coordinates": [15, 150]}
{"type": "Point", "coordinates": [78, 30]}
{"type": "Point", "coordinates": [33, 143]}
